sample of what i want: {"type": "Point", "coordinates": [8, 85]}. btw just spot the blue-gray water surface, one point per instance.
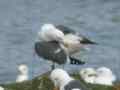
{"type": "Point", "coordinates": [20, 20]}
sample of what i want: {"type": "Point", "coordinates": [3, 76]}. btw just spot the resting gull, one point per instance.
{"type": "Point", "coordinates": [105, 76]}
{"type": "Point", "coordinates": [1, 88]}
{"type": "Point", "coordinates": [23, 73]}
{"type": "Point", "coordinates": [88, 75]}
{"type": "Point", "coordinates": [63, 81]}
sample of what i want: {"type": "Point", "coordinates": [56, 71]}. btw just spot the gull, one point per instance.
{"type": "Point", "coordinates": [51, 46]}
{"type": "Point", "coordinates": [23, 73]}
{"type": "Point", "coordinates": [88, 75]}
{"type": "Point", "coordinates": [105, 76]}
{"type": "Point", "coordinates": [1, 88]}
{"type": "Point", "coordinates": [63, 81]}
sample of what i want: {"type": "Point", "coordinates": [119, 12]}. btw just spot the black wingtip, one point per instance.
{"type": "Point", "coordinates": [87, 41]}
{"type": "Point", "coordinates": [76, 61]}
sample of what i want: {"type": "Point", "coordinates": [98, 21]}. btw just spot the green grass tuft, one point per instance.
{"type": "Point", "coordinates": [44, 83]}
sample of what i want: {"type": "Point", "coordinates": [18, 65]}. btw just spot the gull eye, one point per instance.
{"type": "Point", "coordinates": [90, 75]}
{"type": "Point", "coordinates": [56, 79]}
{"type": "Point", "coordinates": [24, 69]}
{"type": "Point", "coordinates": [85, 72]}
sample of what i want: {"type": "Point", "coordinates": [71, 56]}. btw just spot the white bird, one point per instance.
{"type": "Point", "coordinates": [104, 76]}
{"type": "Point", "coordinates": [63, 81]}
{"type": "Point", "coordinates": [88, 75]}
{"type": "Point", "coordinates": [23, 73]}
{"type": "Point", "coordinates": [1, 88]}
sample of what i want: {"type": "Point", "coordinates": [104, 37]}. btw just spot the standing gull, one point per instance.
{"type": "Point", "coordinates": [50, 46]}
{"type": "Point", "coordinates": [63, 81]}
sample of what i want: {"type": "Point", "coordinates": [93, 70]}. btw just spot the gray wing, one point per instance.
{"type": "Point", "coordinates": [51, 51]}
{"type": "Point", "coordinates": [75, 85]}
{"type": "Point", "coordinates": [67, 30]}
{"type": "Point", "coordinates": [64, 29]}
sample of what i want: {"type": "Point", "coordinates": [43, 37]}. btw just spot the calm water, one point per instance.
{"type": "Point", "coordinates": [20, 20]}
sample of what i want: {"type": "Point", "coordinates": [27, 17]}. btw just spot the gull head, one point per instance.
{"type": "Point", "coordinates": [23, 73]}
{"type": "Point", "coordinates": [23, 69]}
{"type": "Point", "coordinates": [49, 32]}
{"type": "Point", "coordinates": [59, 77]}
{"type": "Point", "coordinates": [48, 27]}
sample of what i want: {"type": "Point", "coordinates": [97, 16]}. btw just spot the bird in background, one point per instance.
{"type": "Point", "coordinates": [88, 75]}
{"type": "Point", "coordinates": [1, 88]}
{"type": "Point", "coordinates": [63, 81]}
{"type": "Point", "coordinates": [58, 43]}
{"type": "Point", "coordinates": [101, 75]}
{"type": "Point", "coordinates": [105, 76]}
{"type": "Point", "coordinates": [23, 73]}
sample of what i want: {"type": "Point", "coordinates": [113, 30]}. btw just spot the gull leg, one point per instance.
{"type": "Point", "coordinates": [67, 62]}
{"type": "Point", "coordinates": [63, 66]}
{"type": "Point", "coordinates": [53, 66]}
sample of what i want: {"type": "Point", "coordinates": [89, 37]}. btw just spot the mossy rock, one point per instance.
{"type": "Point", "coordinates": [43, 82]}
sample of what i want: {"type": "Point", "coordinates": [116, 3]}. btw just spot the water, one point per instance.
{"type": "Point", "coordinates": [20, 20]}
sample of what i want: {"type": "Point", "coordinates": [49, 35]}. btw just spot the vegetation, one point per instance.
{"type": "Point", "coordinates": [44, 83]}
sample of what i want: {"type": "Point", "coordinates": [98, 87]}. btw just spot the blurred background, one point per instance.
{"type": "Point", "coordinates": [20, 20]}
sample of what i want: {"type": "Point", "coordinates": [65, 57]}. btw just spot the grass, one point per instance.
{"type": "Point", "coordinates": [44, 83]}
